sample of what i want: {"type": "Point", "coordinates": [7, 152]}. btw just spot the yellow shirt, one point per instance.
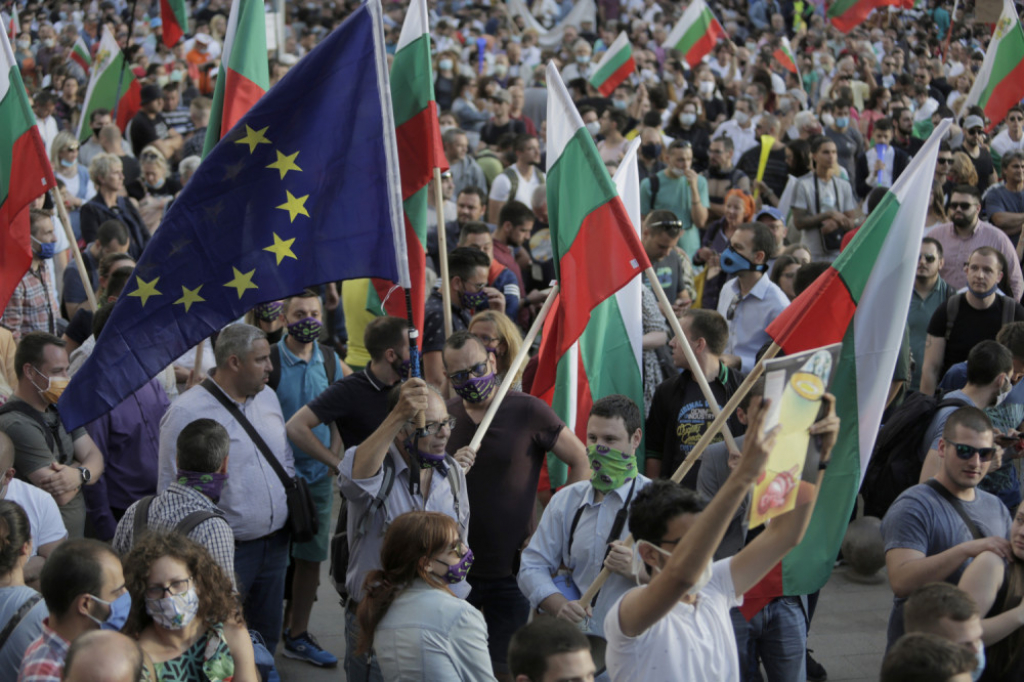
{"type": "Point", "coordinates": [353, 299]}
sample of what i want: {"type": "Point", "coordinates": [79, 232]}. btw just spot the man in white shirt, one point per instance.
{"type": "Point", "coordinates": [519, 180]}
{"type": "Point", "coordinates": [658, 632]}
{"type": "Point", "coordinates": [739, 129]}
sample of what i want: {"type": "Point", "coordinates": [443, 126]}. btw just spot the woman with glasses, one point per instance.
{"type": "Point", "coordinates": [502, 337]}
{"type": "Point", "coordinates": [78, 188]}
{"type": "Point", "coordinates": [416, 626]}
{"type": "Point", "coordinates": [184, 614]}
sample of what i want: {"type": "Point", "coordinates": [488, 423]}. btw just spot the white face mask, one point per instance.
{"type": "Point", "coordinates": [638, 562]}
{"type": "Point", "coordinates": [593, 128]}
{"type": "Point", "coordinates": [706, 87]}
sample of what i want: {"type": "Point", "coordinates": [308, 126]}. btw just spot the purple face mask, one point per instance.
{"type": "Point", "coordinates": [456, 573]}
{"type": "Point", "coordinates": [209, 484]}
{"type": "Point", "coordinates": [427, 460]}
{"type": "Point", "coordinates": [268, 312]}
{"type": "Point", "coordinates": [476, 300]}
{"type": "Point", "coordinates": [476, 389]}
{"type": "Point", "coordinates": [306, 330]}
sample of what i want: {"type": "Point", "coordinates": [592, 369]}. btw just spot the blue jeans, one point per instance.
{"type": "Point", "coordinates": [358, 668]}
{"type": "Point", "coordinates": [261, 566]}
{"type": "Point", "coordinates": [778, 637]}
{"type": "Point", "coordinates": [505, 609]}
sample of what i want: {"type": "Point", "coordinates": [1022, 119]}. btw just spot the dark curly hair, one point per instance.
{"type": "Point", "coordinates": [217, 602]}
{"type": "Point", "coordinates": [657, 504]}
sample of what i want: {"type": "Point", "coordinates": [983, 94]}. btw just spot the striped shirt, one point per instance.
{"type": "Point", "coordinates": [44, 658]}
{"type": "Point", "coordinates": [31, 308]}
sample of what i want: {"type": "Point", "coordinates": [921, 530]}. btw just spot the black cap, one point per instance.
{"type": "Point", "coordinates": [150, 92]}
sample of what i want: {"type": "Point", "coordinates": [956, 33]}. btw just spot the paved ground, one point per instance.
{"type": "Point", "coordinates": [847, 636]}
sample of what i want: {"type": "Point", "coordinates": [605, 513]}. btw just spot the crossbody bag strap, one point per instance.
{"type": "Point", "coordinates": [957, 507]}
{"type": "Point", "coordinates": [18, 616]}
{"type": "Point", "coordinates": [261, 444]}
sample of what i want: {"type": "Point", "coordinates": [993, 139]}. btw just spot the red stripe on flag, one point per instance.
{"type": "Point", "coordinates": [417, 276]}
{"type": "Point", "coordinates": [620, 74]}
{"type": "Point", "coordinates": [856, 15]}
{"type": "Point", "coordinates": [818, 317]}
{"type": "Point", "coordinates": [169, 24]}
{"type": "Point", "coordinates": [240, 94]}
{"type": "Point", "coordinates": [706, 43]}
{"type": "Point", "coordinates": [584, 399]}
{"type": "Point", "coordinates": [420, 150]}
{"type": "Point", "coordinates": [1007, 92]}
{"type": "Point", "coordinates": [784, 60]}
{"type": "Point", "coordinates": [548, 355]}
{"type": "Point", "coordinates": [129, 104]}
{"type": "Point", "coordinates": [80, 60]}
{"type": "Point", "coordinates": [758, 596]}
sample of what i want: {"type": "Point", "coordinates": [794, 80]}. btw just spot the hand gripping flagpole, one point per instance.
{"type": "Point", "coordinates": [717, 425]}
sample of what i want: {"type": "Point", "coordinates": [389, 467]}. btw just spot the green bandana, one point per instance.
{"type": "Point", "coordinates": [610, 468]}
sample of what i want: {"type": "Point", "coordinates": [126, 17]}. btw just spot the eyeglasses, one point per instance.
{"type": "Point", "coordinates": [462, 376]}
{"type": "Point", "coordinates": [943, 161]}
{"type": "Point", "coordinates": [434, 428]}
{"type": "Point", "coordinates": [975, 131]}
{"type": "Point", "coordinates": [928, 258]}
{"type": "Point", "coordinates": [175, 588]}
{"type": "Point", "coordinates": [731, 312]}
{"type": "Point", "coordinates": [150, 156]}
{"type": "Point", "coordinates": [1015, 119]}
{"type": "Point", "coordinates": [966, 452]}
{"type": "Point", "coordinates": [71, 148]}
{"type": "Point", "coordinates": [488, 340]}
{"type": "Point", "coordinates": [961, 205]}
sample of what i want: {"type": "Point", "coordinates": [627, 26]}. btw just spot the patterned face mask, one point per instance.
{"type": "Point", "coordinates": [176, 611]}
{"type": "Point", "coordinates": [209, 484]}
{"type": "Point", "coordinates": [476, 389]}
{"type": "Point", "coordinates": [306, 330]}
{"type": "Point", "coordinates": [456, 572]}
{"type": "Point", "coordinates": [268, 312]}
{"type": "Point", "coordinates": [610, 469]}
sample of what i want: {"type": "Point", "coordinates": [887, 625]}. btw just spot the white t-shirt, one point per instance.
{"type": "Point", "coordinates": [502, 186]}
{"type": "Point", "coordinates": [43, 515]}
{"type": "Point", "coordinates": [693, 642]}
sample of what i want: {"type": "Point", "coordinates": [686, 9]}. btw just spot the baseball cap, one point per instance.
{"type": "Point", "coordinates": [775, 213]}
{"type": "Point", "coordinates": [502, 96]}
{"type": "Point", "coordinates": [150, 93]}
{"type": "Point", "coordinates": [972, 122]}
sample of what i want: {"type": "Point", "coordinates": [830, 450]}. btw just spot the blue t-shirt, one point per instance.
{"type": "Point", "coordinates": [922, 520]}
{"type": "Point", "coordinates": [26, 632]}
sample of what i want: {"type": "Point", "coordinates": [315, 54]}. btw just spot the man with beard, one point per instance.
{"type": "Point", "coordinates": [722, 176]}
{"type": "Point", "coordinates": [904, 134]}
{"type": "Point", "coordinates": [965, 234]}
{"type": "Point", "coordinates": [1004, 204]}
{"type": "Point", "coordinates": [930, 292]}
{"type": "Point", "coordinates": [968, 318]}
{"type": "Point", "coordinates": [514, 227]}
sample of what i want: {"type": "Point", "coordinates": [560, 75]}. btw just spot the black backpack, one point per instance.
{"type": "Point", "coordinates": [275, 372]}
{"type": "Point", "coordinates": [894, 464]}
{"type": "Point", "coordinates": [339, 550]}
{"type": "Point", "coordinates": [140, 524]}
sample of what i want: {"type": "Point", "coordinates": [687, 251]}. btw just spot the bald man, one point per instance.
{"type": "Point", "coordinates": [103, 656]}
{"type": "Point", "coordinates": [43, 514]}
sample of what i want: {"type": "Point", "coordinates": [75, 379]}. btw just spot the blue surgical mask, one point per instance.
{"type": "Point", "coordinates": [986, 294]}
{"type": "Point", "coordinates": [980, 667]}
{"type": "Point", "coordinates": [842, 121]}
{"type": "Point", "coordinates": [119, 609]}
{"type": "Point", "coordinates": [445, 64]}
{"type": "Point", "coordinates": [733, 262]}
{"type": "Point", "coordinates": [47, 250]}
{"type": "Point", "coordinates": [583, 58]}
{"type": "Point", "coordinates": [67, 164]}
{"type": "Point", "coordinates": [688, 119]}
{"type": "Point", "coordinates": [620, 103]}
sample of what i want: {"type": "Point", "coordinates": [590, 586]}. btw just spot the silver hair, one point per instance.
{"type": "Point", "coordinates": [188, 166]}
{"type": "Point", "coordinates": [101, 166]}
{"type": "Point", "coordinates": [236, 340]}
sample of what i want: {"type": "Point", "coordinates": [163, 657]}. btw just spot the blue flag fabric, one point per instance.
{"type": "Point", "coordinates": [303, 190]}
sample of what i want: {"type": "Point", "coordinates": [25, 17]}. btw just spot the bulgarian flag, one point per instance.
{"type": "Point", "coordinates": [846, 15]}
{"type": "Point", "coordinates": [1000, 82]}
{"type": "Point", "coordinates": [696, 33]}
{"type": "Point", "coordinates": [174, 21]}
{"type": "Point", "coordinates": [784, 55]}
{"type": "Point", "coordinates": [420, 151]}
{"type": "Point", "coordinates": [13, 27]}
{"type": "Point", "coordinates": [80, 54]}
{"type": "Point", "coordinates": [614, 67]}
{"type": "Point", "coordinates": [852, 302]}
{"type": "Point", "coordinates": [592, 333]}
{"type": "Point", "coordinates": [112, 86]}
{"type": "Point", "coordinates": [244, 71]}
{"type": "Point", "coordinates": [21, 185]}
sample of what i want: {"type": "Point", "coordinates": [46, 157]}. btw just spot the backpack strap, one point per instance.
{"type": "Point", "coordinates": [952, 308]}
{"type": "Point", "coordinates": [141, 520]}
{"type": "Point", "coordinates": [1009, 308]}
{"type": "Point", "coordinates": [386, 485]}
{"type": "Point", "coordinates": [655, 186]}
{"type": "Point", "coordinates": [275, 370]}
{"type": "Point", "coordinates": [456, 485]}
{"type": "Point", "coordinates": [330, 363]}
{"type": "Point", "coordinates": [18, 616]}
{"type": "Point", "coordinates": [572, 528]}
{"type": "Point", "coordinates": [957, 507]}
{"type": "Point", "coordinates": [513, 178]}
{"type": "Point", "coordinates": [189, 523]}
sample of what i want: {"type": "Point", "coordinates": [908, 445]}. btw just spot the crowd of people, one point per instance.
{"type": "Point", "coordinates": [166, 520]}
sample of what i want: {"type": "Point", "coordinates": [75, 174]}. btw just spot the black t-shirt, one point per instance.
{"type": "Point", "coordinates": [146, 130]}
{"type": "Point", "coordinates": [971, 327]}
{"type": "Point", "coordinates": [357, 404]}
{"type": "Point", "coordinates": [983, 165]}
{"type": "Point", "coordinates": [679, 417]}
{"type": "Point", "coordinates": [433, 322]}
{"type": "Point", "coordinates": [492, 133]}
{"type": "Point", "coordinates": [80, 327]}
{"type": "Point", "coordinates": [776, 173]}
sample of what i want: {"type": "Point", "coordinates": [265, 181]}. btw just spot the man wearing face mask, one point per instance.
{"type": "Point", "coordinates": [426, 478]}
{"type": "Point", "coordinates": [581, 66]}
{"type": "Point", "coordinates": [502, 483]}
{"type": "Point", "coordinates": [84, 589]}
{"type": "Point", "coordinates": [750, 300]}
{"type": "Point", "coordinates": [97, 119]}
{"type": "Point", "coordinates": [46, 455]}
{"type": "Point", "coordinates": [739, 129]}
{"type": "Point", "coordinates": [32, 307]}
{"type": "Point", "coordinates": [584, 524]}
{"type": "Point", "coordinates": [202, 461]}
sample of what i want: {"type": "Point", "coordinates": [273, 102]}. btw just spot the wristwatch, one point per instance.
{"type": "Point", "coordinates": [86, 475]}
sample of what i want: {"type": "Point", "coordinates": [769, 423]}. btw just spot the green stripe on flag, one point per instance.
{"type": "Point", "coordinates": [563, 402]}
{"type": "Point", "coordinates": [613, 65]}
{"type": "Point", "coordinates": [1007, 58]}
{"type": "Point", "coordinates": [411, 80]}
{"type": "Point", "coordinates": [15, 121]}
{"type": "Point", "coordinates": [695, 32]}
{"type": "Point", "coordinates": [572, 201]}
{"type": "Point", "coordinates": [104, 94]}
{"type": "Point", "coordinates": [416, 210]}
{"type": "Point", "coordinates": [855, 262]}
{"type": "Point", "coordinates": [840, 7]}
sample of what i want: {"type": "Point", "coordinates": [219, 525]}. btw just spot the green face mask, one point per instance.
{"type": "Point", "coordinates": [610, 469]}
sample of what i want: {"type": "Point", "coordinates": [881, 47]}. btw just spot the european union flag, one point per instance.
{"type": "Point", "coordinates": [304, 190]}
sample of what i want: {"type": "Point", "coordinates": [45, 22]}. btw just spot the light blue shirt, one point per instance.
{"type": "Point", "coordinates": [302, 381]}
{"type": "Point", "coordinates": [253, 499]}
{"type": "Point", "coordinates": [549, 546]}
{"type": "Point", "coordinates": [427, 634]}
{"type": "Point", "coordinates": [751, 317]}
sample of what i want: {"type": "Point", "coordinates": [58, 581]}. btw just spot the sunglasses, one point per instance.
{"type": "Point", "coordinates": [966, 452]}
{"type": "Point", "coordinates": [929, 258]}
{"type": "Point", "coordinates": [962, 205]}
{"type": "Point", "coordinates": [731, 312]}
{"type": "Point", "coordinates": [943, 162]}
{"type": "Point", "coordinates": [462, 376]}
{"type": "Point", "coordinates": [975, 131]}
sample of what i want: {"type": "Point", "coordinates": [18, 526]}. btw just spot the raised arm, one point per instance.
{"type": "Point", "coordinates": [370, 454]}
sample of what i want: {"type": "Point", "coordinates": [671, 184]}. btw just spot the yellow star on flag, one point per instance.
{"type": "Point", "coordinates": [190, 296]}
{"type": "Point", "coordinates": [241, 282]}
{"type": "Point", "coordinates": [285, 163]}
{"type": "Point", "coordinates": [253, 138]}
{"type": "Point", "coordinates": [295, 206]}
{"type": "Point", "coordinates": [146, 289]}
{"type": "Point", "coordinates": [282, 248]}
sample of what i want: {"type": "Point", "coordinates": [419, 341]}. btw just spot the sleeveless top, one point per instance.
{"type": "Point", "coordinates": [207, 659]}
{"type": "Point", "coordinates": [996, 653]}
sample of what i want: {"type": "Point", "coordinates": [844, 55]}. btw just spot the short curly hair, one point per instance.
{"type": "Point", "coordinates": [217, 602]}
